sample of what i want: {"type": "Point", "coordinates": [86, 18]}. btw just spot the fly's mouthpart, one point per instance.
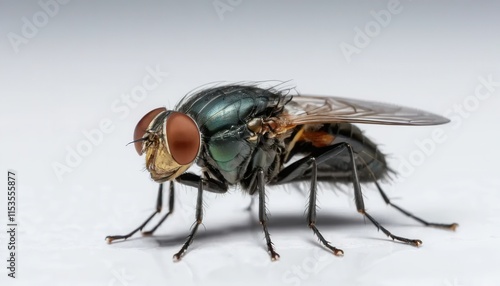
{"type": "Point", "coordinates": [144, 127]}
{"type": "Point", "coordinates": [137, 140]}
{"type": "Point", "coordinates": [159, 161]}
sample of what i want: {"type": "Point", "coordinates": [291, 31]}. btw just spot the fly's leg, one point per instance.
{"type": "Point", "coordinates": [199, 218]}
{"type": "Point", "coordinates": [299, 167]}
{"type": "Point", "coordinates": [159, 200]}
{"type": "Point", "coordinates": [311, 213]}
{"type": "Point", "coordinates": [209, 184]}
{"type": "Point", "coordinates": [451, 226]}
{"type": "Point", "coordinates": [187, 179]}
{"type": "Point", "coordinates": [170, 211]}
{"type": "Point", "coordinates": [358, 198]}
{"type": "Point", "coordinates": [263, 215]}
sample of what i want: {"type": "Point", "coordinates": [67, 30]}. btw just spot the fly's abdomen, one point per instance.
{"type": "Point", "coordinates": [370, 162]}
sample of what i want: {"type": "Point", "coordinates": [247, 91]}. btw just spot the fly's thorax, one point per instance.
{"type": "Point", "coordinates": [171, 142]}
{"type": "Point", "coordinates": [235, 122]}
{"type": "Point", "coordinates": [272, 127]}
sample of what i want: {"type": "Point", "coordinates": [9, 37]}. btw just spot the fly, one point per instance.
{"type": "Point", "coordinates": [254, 137]}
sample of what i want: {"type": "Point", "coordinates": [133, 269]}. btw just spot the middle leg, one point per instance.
{"type": "Point", "coordinates": [262, 214]}
{"type": "Point", "coordinates": [311, 213]}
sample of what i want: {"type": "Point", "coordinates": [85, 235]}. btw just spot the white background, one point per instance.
{"type": "Point", "coordinates": [72, 72]}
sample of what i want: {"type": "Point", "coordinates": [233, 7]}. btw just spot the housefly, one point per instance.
{"type": "Point", "coordinates": [256, 137]}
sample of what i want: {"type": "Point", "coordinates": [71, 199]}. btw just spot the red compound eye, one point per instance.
{"type": "Point", "coordinates": [142, 127]}
{"type": "Point", "coordinates": [183, 138]}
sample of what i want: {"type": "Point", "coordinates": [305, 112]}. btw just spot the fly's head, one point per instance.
{"type": "Point", "coordinates": [171, 141]}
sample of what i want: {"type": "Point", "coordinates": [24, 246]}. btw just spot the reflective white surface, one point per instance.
{"type": "Point", "coordinates": [103, 66]}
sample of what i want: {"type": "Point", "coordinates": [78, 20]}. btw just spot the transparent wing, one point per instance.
{"type": "Point", "coordinates": [321, 109]}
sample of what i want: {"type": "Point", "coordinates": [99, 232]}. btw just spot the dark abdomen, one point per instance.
{"type": "Point", "coordinates": [370, 162]}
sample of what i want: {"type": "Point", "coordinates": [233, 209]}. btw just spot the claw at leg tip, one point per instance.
{"type": "Point", "coordinates": [176, 258]}
{"type": "Point", "coordinates": [339, 253]}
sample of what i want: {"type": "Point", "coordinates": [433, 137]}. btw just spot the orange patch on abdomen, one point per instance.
{"type": "Point", "coordinates": [317, 138]}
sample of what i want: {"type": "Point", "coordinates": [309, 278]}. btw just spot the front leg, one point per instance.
{"type": "Point", "coordinates": [111, 238]}
{"type": "Point", "coordinates": [187, 179]}
{"type": "Point", "coordinates": [202, 183]}
{"type": "Point", "coordinates": [199, 219]}
{"type": "Point", "coordinates": [170, 211]}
